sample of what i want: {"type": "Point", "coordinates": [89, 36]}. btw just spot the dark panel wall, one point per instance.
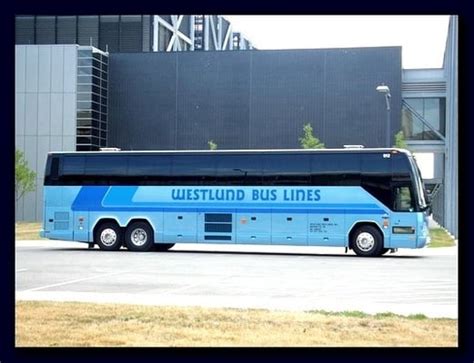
{"type": "Point", "coordinates": [213, 100]}
{"type": "Point", "coordinates": [45, 30]}
{"type": "Point", "coordinates": [126, 33]}
{"type": "Point", "coordinates": [66, 29]}
{"type": "Point", "coordinates": [88, 30]}
{"type": "Point", "coordinates": [286, 93]}
{"type": "Point", "coordinates": [144, 106]}
{"type": "Point", "coordinates": [252, 99]}
{"type": "Point", "coordinates": [25, 29]}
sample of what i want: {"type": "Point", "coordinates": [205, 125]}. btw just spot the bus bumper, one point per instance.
{"type": "Point", "coordinates": [423, 239]}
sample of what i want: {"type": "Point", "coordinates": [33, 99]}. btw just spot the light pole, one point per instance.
{"type": "Point", "coordinates": [386, 90]}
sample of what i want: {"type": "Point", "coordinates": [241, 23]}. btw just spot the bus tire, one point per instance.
{"type": "Point", "coordinates": [139, 237]}
{"type": "Point", "coordinates": [367, 241]}
{"type": "Point", "coordinates": [162, 247]}
{"type": "Point", "coordinates": [108, 236]}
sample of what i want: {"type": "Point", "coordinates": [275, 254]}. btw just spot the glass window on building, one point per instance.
{"type": "Point", "coordinates": [431, 110]}
{"type": "Point", "coordinates": [91, 100]}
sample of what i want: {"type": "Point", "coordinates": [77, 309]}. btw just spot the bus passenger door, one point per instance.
{"type": "Point", "coordinates": [403, 220]}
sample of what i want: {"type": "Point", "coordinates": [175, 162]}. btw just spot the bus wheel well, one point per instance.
{"type": "Point", "coordinates": [107, 220]}
{"type": "Point", "coordinates": [140, 220]}
{"type": "Point", "coordinates": [360, 224]}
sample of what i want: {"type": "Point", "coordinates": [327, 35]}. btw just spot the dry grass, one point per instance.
{"type": "Point", "coordinates": [440, 238]}
{"type": "Point", "coordinates": [27, 230]}
{"type": "Point", "coordinates": [84, 324]}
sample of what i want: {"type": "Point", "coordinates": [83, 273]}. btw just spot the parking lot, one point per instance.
{"type": "Point", "coordinates": [269, 277]}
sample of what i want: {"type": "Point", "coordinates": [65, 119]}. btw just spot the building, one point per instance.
{"type": "Point", "coordinates": [132, 33]}
{"type": "Point", "coordinates": [157, 86]}
{"type": "Point", "coordinates": [430, 123]}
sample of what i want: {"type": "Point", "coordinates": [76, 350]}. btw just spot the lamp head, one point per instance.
{"type": "Point", "coordinates": [383, 89]}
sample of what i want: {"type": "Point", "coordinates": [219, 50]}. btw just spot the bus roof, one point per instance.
{"type": "Point", "coordinates": [241, 151]}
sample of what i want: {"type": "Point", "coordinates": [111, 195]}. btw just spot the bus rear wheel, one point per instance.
{"type": "Point", "coordinates": [367, 241]}
{"type": "Point", "coordinates": [139, 237]}
{"type": "Point", "coordinates": [108, 236]}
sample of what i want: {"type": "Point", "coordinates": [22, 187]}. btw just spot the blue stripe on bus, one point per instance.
{"type": "Point", "coordinates": [241, 210]}
{"type": "Point", "coordinates": [91, 198]}
{"type": "Point", "coordinates": [264, 204]}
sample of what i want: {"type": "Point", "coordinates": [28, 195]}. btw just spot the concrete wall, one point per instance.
{"type": "Point", "coordinates": [45, 111]}
{"type": "Point", "coordinates": [452, 122]}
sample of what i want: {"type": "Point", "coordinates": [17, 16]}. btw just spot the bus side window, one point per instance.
{"type": "Point", "coordinates": [403, 200]}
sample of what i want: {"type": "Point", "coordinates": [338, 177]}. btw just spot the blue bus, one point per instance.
{"type": "Point", "coordinates": [368, 200]}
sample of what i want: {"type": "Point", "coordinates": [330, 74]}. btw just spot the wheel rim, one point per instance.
{"type": "Point", "coordinates": [108, 237]}
{"type": "Point", "coordinates": [365, 241]}
{"type": "Point", "coordinates": [139, 237]}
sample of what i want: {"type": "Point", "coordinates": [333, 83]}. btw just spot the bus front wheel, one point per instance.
{"type": "Point", "coordinates": [108, 236]}
{"type": "Point", "coordinates": [139, 237]}
{"type": "Point", "coordinates": [367, 241]}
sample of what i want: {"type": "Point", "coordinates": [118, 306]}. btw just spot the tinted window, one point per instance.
{"type": "Point", "coordinates": [379, 187]}
{"type": "Point", "coordinates": [326, 163]}
{"type": "Point", "coordinates": [335, 169]}
{"type": "Point", "coordinates": [109, 165]}
{"type": "Point", "coordinates": [54, 171]}
{"type": "Point", "coordinates": [239, 169]}
{"type": "Point", "coordinates": [149, 165]}
{"type": "Point", "coordinates": [376, 176]}
{"type": "Point", "coordinates": [149, 169]}
{"type": "Point", "coordinates": [284, 169]}
{"type": "Point", "coordinates": [400, 167]}
{"type": "Point", "coordinates": [51, 173]}
{"type": "Point", "coordinates": [375, 164]}
{"type": "Point", "coordinates": [73, 165]}
{"type": "Point", "coordinates": [193, 169]}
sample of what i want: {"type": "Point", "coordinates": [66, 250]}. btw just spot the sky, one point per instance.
{"type": "Point", "coordinates": [423, 38]}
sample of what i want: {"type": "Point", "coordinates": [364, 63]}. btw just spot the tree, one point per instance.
{"type": "Point", "coordinates": [309, 141]}
{"type": "Point", "coordinates": [24, 176]}
{"type": "Point", "coordinates": [400, 140]}
{"type": "Point", "coordinates": [212, 145]}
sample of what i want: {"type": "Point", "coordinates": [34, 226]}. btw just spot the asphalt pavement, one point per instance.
{"type": "Point", "coordinates": [268, 277]}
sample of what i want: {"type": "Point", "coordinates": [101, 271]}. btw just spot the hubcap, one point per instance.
{"type": "Point", "coordinates": [108, 237]}
{"type": "Point", "coordinates": [365, 241]}
{"type": "Point", "coordinates": [139, 237]}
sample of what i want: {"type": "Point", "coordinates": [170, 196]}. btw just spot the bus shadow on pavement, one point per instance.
{"type": "Point", "coordinates": [250, 253]}
{"type": "Point", "coordinates": [298, 254]}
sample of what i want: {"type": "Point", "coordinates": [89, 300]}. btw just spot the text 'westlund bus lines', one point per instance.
{"type": "Point", "coordinates": [300, 195]}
